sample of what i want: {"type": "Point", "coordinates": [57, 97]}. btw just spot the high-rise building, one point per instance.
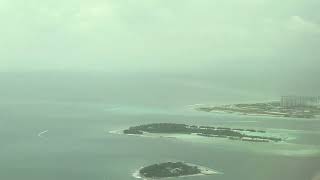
{"type": "Point", "coordinates": [295, 101]}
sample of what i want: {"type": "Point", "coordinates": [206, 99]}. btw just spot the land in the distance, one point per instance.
{"type": "Point", "coordinates": [172, 169]}
{"type": "Point", "coordinates": [269, 109]}
{"type": "Point", "coordinates": [251, 135]}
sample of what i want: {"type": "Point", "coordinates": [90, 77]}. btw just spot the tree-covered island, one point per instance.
{"type": "Point", "coordinates": [172, 169]}
{"type": "Point", "coordinates": [251, 135]}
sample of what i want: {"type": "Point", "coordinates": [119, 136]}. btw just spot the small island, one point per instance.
{"type": "Point", "coordinates": [172, 169]}
{"type": "Point", "coordinates": [239, 134]}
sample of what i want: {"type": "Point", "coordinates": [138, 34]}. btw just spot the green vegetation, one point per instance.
{"type": "Point", "coordinates": [169, 169]}
{"type": "Point", "coordinates": [206, 131]}
{"type": "Point", "coordinates": [132, 131]}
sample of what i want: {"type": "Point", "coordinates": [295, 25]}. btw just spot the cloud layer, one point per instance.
{"type": "Point", "coordinates": [155, 34]}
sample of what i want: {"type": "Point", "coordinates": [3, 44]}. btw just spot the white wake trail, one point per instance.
{"type": "Point", "coordinates": [43, 132]}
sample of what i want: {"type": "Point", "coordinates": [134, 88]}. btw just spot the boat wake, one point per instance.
{"type": "Point", "coordinates": [42, 133]}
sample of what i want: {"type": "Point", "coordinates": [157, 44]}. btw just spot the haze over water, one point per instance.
{"type": "Point", "coordinates": [71, 71]}
{"type": "Point", "coordinates": [78, 111]}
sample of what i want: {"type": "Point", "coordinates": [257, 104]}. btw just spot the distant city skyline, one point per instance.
{"type": "Point", "coordinates": [293, 101]}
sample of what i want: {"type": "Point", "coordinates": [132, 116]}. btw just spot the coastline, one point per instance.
{"type": "Point", "coordinates": [317, 117]}
{"type": "Point", "coordinates": [204, 172]}
{"type": "Point", "coordinates": [248, 114]}
{"type": "Point", "coordinates": [145, 134]}
{"type": "Point", "coordinates": [196, 136]}
{"type": "Point", "coordinates": [283, 148]}
{"type": "Point", "coordinates": [261, 109]}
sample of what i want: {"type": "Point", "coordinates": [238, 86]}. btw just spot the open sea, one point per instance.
{"type": "Point", "coordinates": [57, 129]}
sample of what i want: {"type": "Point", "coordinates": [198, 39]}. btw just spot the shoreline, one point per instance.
{"type": "Point", "coordinates": [195, 135]}
{"type": "Point", "coordinates": [194, 108]}
{"type": "Point", "coordinates": [284, 148]}
{"type": "Point", "coordinates": [204, 172]}
{"type": "Point", "coordinates": [147, 135]}
{"type": "Point", "coordinates": [317, 117]}
{"type": "Point", "coordinates": [261, 109]}
{"type": "Point", "coordinates": [248, 114]}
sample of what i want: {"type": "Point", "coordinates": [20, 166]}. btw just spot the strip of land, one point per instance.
{"type": "Point", "coordinates": [268, 109]}
{"type": "Point", "coordinates": [239, 134]}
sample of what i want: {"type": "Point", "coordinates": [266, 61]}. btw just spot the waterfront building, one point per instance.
{"type": "Point", "coordinates": [296, 101]}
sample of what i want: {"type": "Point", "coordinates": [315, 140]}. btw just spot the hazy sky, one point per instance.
{"type": "Point", "coordinates": [257, 39]}
{"type": "Point", "coordinates": [160, 34]}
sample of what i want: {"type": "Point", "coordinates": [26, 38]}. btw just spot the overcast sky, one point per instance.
{"type": "Point", "coordinates": [278, 40]}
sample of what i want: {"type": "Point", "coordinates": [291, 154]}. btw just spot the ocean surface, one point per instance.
{"type": "Point", "coordinates": [44, 138]}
